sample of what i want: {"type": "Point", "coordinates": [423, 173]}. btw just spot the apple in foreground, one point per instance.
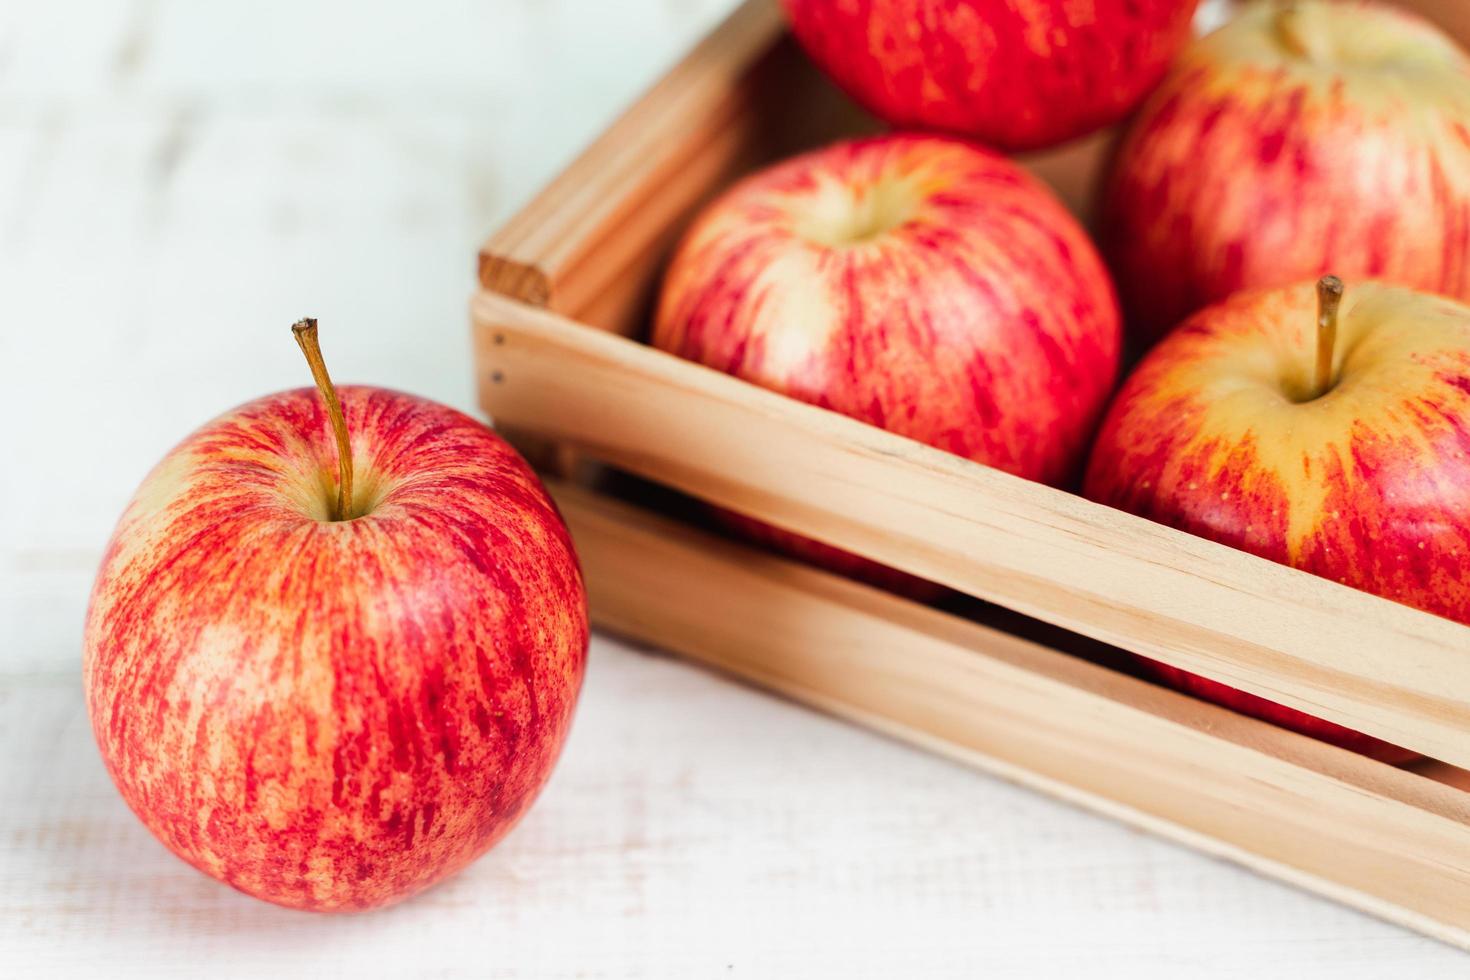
{"type": "Point", "coordinates": [918, 283]}
{"type": "Point", "coordinates": [1296, 141]}
{"type": "Point", "coordinates": [1335, 442]}
{"type": "Point", "coordinates": [333, 704]}
{"type": "Point", "coordinates": [1019, 76]}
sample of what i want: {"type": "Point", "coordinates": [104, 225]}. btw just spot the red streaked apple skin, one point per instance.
{"type": "Point", "coordinates": [1367, 485]}
{"type": "Point", "coordinates": [1016, 74]}
{"type": "Point", "coordinates": [918, 283]}
{"type": "Point", "coordinates": [335, 715]}
{"type": "Point", "coordinates": [1252, 167]}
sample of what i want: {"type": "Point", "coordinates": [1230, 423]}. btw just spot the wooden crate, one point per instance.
{"type": "Point", "coordinates": [565, 292]}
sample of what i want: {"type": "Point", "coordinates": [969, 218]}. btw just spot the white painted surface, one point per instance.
{"type": "Point", "coordinates": [178, 182]}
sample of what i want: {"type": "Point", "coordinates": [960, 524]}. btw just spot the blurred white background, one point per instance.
{"type": "Point", "coordinates": [179, 181]}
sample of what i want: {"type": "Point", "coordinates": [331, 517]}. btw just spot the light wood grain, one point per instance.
{"type": "Point", "coordinates": [592, 243]}
{"type": "Point", "coordinates": [682, 139]}
{"type": "Point", "coordinates": [1258, 626]}
{"type": "Point", "coordinates": [1387, 841]}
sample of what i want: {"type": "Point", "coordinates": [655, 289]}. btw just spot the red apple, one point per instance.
{"type": "Point", "coordinates": [335, 710]}
{"type": "Point", "coordinates": [1019, 76]}
{"type": "Point", "coordinates": [1347, 456]}
{"type": "Point", "coordinates": [1295, 141]}
{"type": "Point", "coordinates": [918, 283]}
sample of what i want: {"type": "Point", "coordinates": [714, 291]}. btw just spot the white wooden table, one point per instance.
{"type": "Point", "coordinates": [178, 182]}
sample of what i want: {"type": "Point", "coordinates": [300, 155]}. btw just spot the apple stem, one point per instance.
{"type": "Point", "coordinates": [1286, 29]}
{"type": "Point", "coordinates": [1329, 298]}
{"type": "Point", "coordinates": [306, 339]}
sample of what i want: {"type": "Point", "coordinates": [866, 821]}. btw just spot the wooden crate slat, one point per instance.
{"type": "Point", "coordinates": [1362, 661]}
{"type": "Point", "coordinates": [639, 168]}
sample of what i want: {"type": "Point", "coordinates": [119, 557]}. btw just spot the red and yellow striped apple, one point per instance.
{"type": "Point", "coordinates": [1296, 141]}
{"type": "Point", "coordinates": [1346, 455]}
{"type": "Point", "coordinates": [1017, 74]}
{"type": "Point", "coordinates": [334, 706]}
{"type": "Point", "coordinates": [918, 283]}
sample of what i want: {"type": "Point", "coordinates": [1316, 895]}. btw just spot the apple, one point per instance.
{"type": "Point", "coordinates": [332, 692]}
{"type": "Point", "coordinates": [1334, 442]}
{"type": "Point", "coordinates": [1019, 76]}
{"type": "Point", "coordinates": [919, 283]}
{"type": "Point", "coordinates": [1298, 140]}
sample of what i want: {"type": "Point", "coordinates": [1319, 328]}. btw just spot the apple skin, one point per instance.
{"type": "Point", "coordinates": [335, 715]}
{"type": "Point", "coordinates": [921, 284]}
{"type": "Point", "coordinates": [1251, 166]}
{"type": "Point", "coordinates": [1367, 485]}
{"type": "Point", "coordinates": [1016, 75]}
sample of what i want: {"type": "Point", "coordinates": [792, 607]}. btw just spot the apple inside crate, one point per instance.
{"type": "Point", "coordinates": [1034, 687]}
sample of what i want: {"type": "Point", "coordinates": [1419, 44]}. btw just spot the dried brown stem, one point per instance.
{"type": "Point", "coordinates": [1329, 298]}
{"type": "Point", "coordinates": [306, 338]}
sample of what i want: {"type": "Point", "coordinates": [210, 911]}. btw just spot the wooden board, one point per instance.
{"type": "Point", "coordinates": [1277, 632]}
{"type": "Point", "coordinates": [1393, 844]}
{"type": "Point", "coordinates": [590, 244]}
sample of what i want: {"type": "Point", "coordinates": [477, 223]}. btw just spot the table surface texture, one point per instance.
{"type": "Point", "coordinates": [178, 182]}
